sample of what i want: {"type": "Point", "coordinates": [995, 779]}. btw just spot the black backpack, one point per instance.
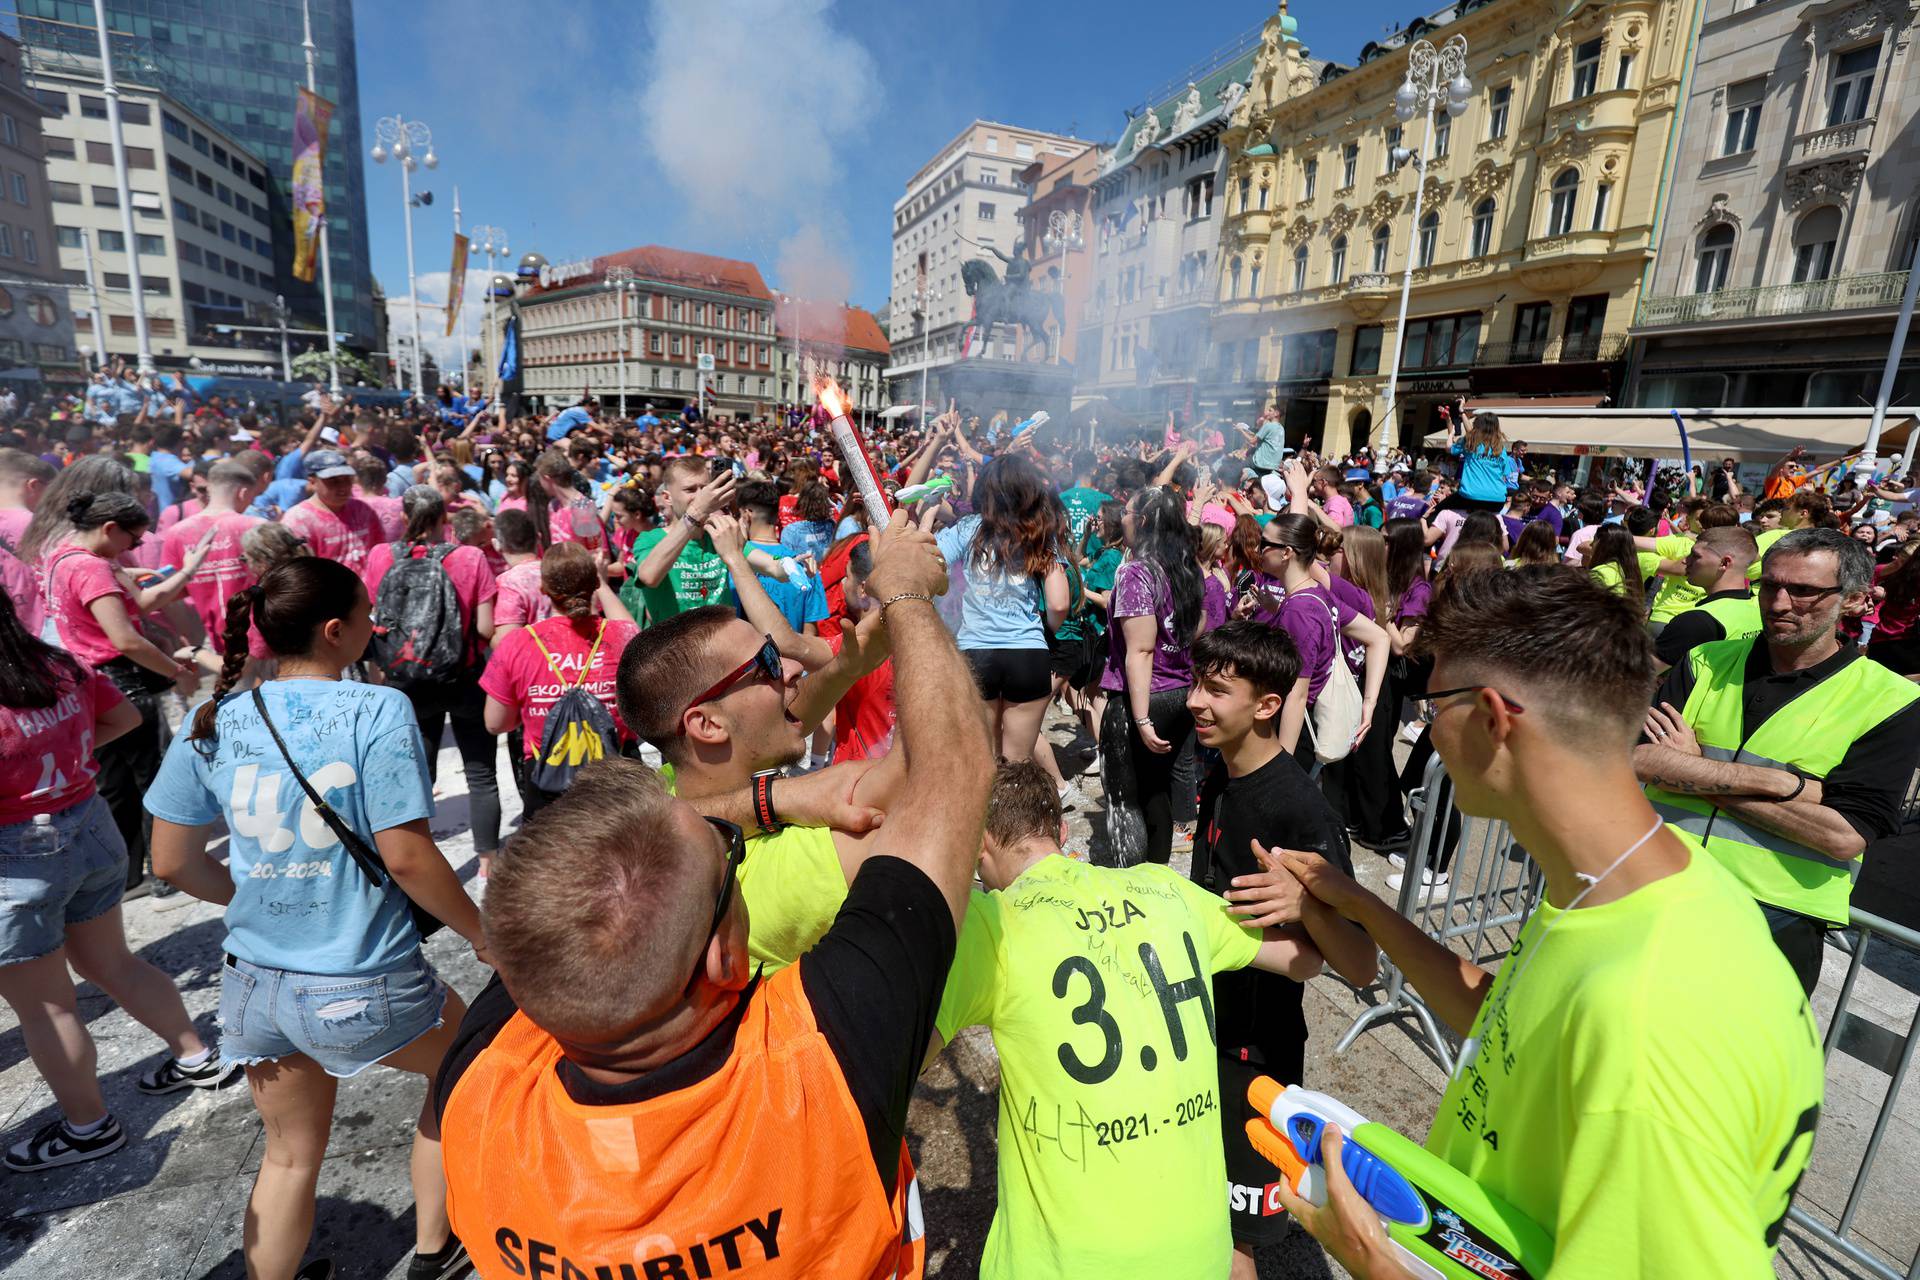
{"type": "Point", "coordinates": [579, 729]}
{"type": "Point", "coordinates": [417, 636]}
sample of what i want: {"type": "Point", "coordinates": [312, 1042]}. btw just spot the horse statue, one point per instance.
{"type": "Point", "coordinates": [1013, 301]}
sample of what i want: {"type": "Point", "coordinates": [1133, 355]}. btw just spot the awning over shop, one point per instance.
{"type": "Point", "coordinates": [902, 410]}
{"type": "Point", "coordinates": [1745, 434]}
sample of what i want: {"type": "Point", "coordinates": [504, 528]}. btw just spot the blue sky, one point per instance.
{"type": "Point", "coordinates": [775, 130]}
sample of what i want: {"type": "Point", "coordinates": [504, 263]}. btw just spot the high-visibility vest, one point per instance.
{"type": "Point", "coordinates": [761, 1168]}
{"type": "Point", "coordinates": [1810, 735]}
{"type": "Point", "coordinates": [1738, 616]}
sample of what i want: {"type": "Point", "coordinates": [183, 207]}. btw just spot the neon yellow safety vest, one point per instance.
{"type": "Point", "coordinates": [1738, 616]}
{"type": "Point", "coordinates": [1810, 735]}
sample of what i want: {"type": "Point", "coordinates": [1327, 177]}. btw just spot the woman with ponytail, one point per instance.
{"type": "Point", "coordinates": [534, 665]}
{"type": "Point", "coordinates": [458, 700]}
{"type": "Point", "coordinates": [324, 975]}
{"type": "Point", "coordinates": [96, 612]}
{"type": "Point", "coordinates": [66, 868]}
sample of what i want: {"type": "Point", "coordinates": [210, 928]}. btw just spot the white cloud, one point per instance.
{"type": "Point", "coordinates": [445, 350]}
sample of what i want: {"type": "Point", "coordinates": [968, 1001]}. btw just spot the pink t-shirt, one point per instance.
{"type": "Point", "coordinates": [13, 524]}
{"type": "Point", "coordinates": [521, 602]}
{"type": "Point", "coordinates": [393, 519]}
{"type": "Point", "coordinates": [560, 526]}
{"type": "Point", "coordinates": [511, 503]}
{"type": "Point", "coordinates": [519, 676]}
{"type": "Point", "coordinates": [178, 511]}
{"type": "Point", "coordinates": [1338, 509]}
{"type": "Point", "coordinates": [46, 754]}
{"type": "Point", "coordinates": [23, 588]}
{"type": "Point", "coordinates": [75, 579]}
{"type": "Point", "coordinates": [473, 581]}
{"type": "Point", "coordinates": [346, 537]}
{"type": "Point", "coordinates": [220, 575]}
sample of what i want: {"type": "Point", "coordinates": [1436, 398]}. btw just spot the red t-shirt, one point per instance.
{"type": "Point", "coordinates": [864, 717]}
{"type": "Point", "coordinates": [521, 601]}
{"type": "Point", "coordinates": [346, 537]}
{"type": "Point", "coordinates": [75, 579]}
{"type": "Point", "coordinates": [473, 581]}
{"type": "Point", "coordinates": [519, 676]}
{"type": "Point", "coordinates": [46, 754]}
{"type": "Point", "coordinates": [221, 574]}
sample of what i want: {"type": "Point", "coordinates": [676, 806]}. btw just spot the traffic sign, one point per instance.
{"type": "Point", "coordinates": [706, 363]}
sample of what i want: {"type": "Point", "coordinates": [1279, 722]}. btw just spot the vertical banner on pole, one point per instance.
{"type": "Point", "coordinates": [311, 115]}
{"type": "Point", "coordinates": [456, 282]}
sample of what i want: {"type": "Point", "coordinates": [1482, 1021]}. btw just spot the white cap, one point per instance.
{"type": "Point", "coordinates": [243, 435]}
{"type": "Point", "coordinates": [1275, 489]}
{"type": "Point", "coordinates": [330, 435]}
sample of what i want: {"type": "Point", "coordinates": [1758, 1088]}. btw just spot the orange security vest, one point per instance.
{"type": "Point", "coordinates": [762, 1169]}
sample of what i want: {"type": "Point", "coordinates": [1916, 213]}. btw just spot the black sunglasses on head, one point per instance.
{"type": "Point", "coordinates": [736, 852]}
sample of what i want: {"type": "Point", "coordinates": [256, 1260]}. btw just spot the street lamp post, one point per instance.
{"type": "Point", "coordinates": [1062, 237]}
{"type": "Point", "coordinates": [280, 318]}
{"type": "Point", "coordinates": [110, 89]}
{"type": "Point", "coordinates": [927, 294]}
{"type": "Point", "coordinates": [623, 282]}
{"type": "Point", "coordinates": [399, 137]}
{"type": "Point", "coordinates": [326, 262]}
{"type": "Point", "coordinates": [1435, 77]}
{"type": "Point", "coordinates": [489, 240]}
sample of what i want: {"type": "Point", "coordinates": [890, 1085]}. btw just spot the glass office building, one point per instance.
{"type": "Point", "coordinates": [239, 63]}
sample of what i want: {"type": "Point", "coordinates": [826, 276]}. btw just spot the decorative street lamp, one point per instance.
{"type": "Point", "coordinates": [1435, 77]}
{"type": "Point", "coordinates": [399, 137]}
{"type": "Point", "coordinates": [625, 285]}
{"type": "Point", "coordinates": [489, 240]}
{"type": "Point", "coordinates": [926, 295]}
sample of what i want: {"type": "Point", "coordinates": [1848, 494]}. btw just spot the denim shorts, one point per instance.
{"type": "Point", "coordinates": [344, 1022]}
{"type": "Point", "coordinates": [43, 893]}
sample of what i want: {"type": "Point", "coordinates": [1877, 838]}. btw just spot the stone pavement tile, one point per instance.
{"type": "Point", "coordinates": [154, 1233]}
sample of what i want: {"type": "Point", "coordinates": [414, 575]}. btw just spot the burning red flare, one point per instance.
{"type": "Point", "coordinates": [828, 392]}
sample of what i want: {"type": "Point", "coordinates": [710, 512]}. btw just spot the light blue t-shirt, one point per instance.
{"type": "Point", "coordinates": [300, 902]}
{"type": "Point", "coordinates": [163, 471]}
{"type": "Point", "coordinates": [570, 419]}
{"type": "Point", "coordinates": [799, 605]}
{"type": "Point", "coordinates": [996, 611]}
{"type": "Point", "coordinates": [1270, 448]}
{"type": "Point", "coordinates": [278, 498]}
{"type": "Point", "coordinates": [807, 538]}
{"type": "Point", "coordinates": [291, 466]}
{"type": "Point", "coordinates": [1483, 475]}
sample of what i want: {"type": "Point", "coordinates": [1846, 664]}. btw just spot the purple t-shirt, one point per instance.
{"type": "Point", "coordinates": [1214, 605]}
{"type": "Point", "coordinates": [1309, 623]}
{"type": "Point", "coordinates": [1358, 601]}
{"type": "Point", "coordinates": [1140, 590]}
{"type": "Point", "coordinates": [1549, 515]}
{"type": "Point", "coordinates": [1414, 603]}
{"type": "Point", "coordinates": [1407, 506]}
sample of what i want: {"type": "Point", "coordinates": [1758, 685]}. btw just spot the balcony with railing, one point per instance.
{"type": "Point", "coordinates": [1199, 295]}
{"type": "Point", "coordinates": [1834, 142]}
{"type": "Point", "coordinates": [1580, 349]}
{"type": "Point", "coordinates": [1775, 301]}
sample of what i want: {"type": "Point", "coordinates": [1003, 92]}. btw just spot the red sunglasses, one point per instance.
{"type": "Point", "coordinates": [766, 658]}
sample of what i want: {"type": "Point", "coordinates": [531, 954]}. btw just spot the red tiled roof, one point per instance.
{"type": "Point", "coordinates": [657, 263]}
{"type": "Point", "coordinates": [829, 324]}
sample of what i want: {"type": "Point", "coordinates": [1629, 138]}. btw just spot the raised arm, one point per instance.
{"type": "Point", "coordinates": [729, 543]}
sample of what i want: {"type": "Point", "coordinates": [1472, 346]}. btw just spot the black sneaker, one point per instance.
{"type": "Point", "coordinates": [57, 1144]}
{"type": "Point", "coordinates": [452, 1261]}
{"type": "Point", "coordinates": [318, 1269]}
{"type": "Point", "coordinates": [170, 1076]}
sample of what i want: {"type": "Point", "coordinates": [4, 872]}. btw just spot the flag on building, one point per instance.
{"type": "Point", "coordinates": [456, 281]}
{"type": "Point", "coordinates": [311, 115]}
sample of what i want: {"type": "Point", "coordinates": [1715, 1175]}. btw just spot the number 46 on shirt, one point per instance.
{"type": "Point", "coordinates": [256, 807]}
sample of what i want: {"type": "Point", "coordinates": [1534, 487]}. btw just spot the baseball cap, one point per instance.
{"type": "Point", "coordinates": [243, 435]}
{"type": "Point", "coordinates": [330, 435]}
{"type": "Point", "coordinates": [326, 464]}
{"type": "Point", "coordinates": [1275, 489]}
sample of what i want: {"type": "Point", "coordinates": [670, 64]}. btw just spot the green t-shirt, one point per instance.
{"type": "Point", "coordinates": [793, 885]}
{"type": "Point", "coordinates": [1082, 503]}
{"type": "Point", "coordinates": [1649, 1088]}
{"type": "Point", "coordinates": [1096, 984]}
{"type": "Point", "coordinates": [1676, 595]}
{"type": "Point", "coordinates": [698, 577]}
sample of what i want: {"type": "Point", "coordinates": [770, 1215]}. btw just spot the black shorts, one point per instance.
{"type": "Point", "coordinates": [1077, 660]}
{"type": "Point", "coordinates": [1011, 675]}
{"type": "Point", "coordinates": [1258, 1217]}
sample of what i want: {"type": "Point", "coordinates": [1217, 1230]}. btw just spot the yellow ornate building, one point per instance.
{"type": "Point", "coordinates": [1529, 253]}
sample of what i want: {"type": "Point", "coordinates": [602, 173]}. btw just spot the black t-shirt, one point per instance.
{"type": "Point", "coordinates": [1282, 808]}
{"type": "Point", "coordinates": [874, 982]}
{"type": "Point", "coordinates": [1867, 786]}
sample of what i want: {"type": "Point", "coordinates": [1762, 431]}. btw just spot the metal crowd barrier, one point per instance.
{"type": "Point", "coordinates": [1492, 888]}
{"type": "Point", "coordinates": [1862, 932]}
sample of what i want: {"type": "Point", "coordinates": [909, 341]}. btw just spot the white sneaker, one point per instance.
{"type": "Point", "coordinates": [1410, 731]}
{"type": "Point", "coordinates": [1398, 861]}
{"type": "Point", "coordinates": [1430, 884]}
{"type": "Point", "coordinates": [1070, 798]}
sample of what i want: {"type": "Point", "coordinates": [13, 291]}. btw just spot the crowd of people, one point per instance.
{"type": "Point", "coordinates": [790, 816]}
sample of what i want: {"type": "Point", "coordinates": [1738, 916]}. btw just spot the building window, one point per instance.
{"type": "Point", "coordinates": [990, 177]}
{"type": "Point", "coordinates": [1233, 278]}
{"type": "Point", "coordinates": [1299, 269]}
{"type": "Point", "coordinates": [1442, 134]}
{"type": "Point", "coordinates": [185, 212]}
{"type": "Point", "coordinates": [1366, 351]}
{"type": "Point", "coordinates": [1382, 242]}
{"type": "Point", "coordinates": [190, 253]}
{"type": "Point", "coordinates": [117, 280]}
{"type": "Point", "coordinates": [1586, 318]}
{"type": "Point", "coordinates": [29, 247]}
{"type": "Point", "coordinates": [1499, 100]}
{"type": "Point", "coordinates": [1623, 73]}
{"type": "Point", "coordinates": [1565, 194]}
{"type": "Point", "coordinates": [1602, 197]}
{"type": "Point", "coordinates": [59, 148]}
{"type": "Point", "coordinates": [1349, 163]}
{"type": "Point", "coordinates": [19, 182]}
{"type": "Point", "coordinates": [1337, 264]}
{"type": "Point", "coordinates": [106, 198]}
{"type": "Point", "coordinates": [10, 129]}
{"type": "Point", "coordinates": [1482, 240]}
{"type": "Point", "coordinates": [1246, 194]}
{"type": "Point", "coordinates": [677, 348]}
{"type": "Point", "coordinates": [111, 241]}
{"type": "Point", "coordinates": [1386, 153]}
{"type": "Point", "coordinates": [134, 113]}
{"type": "Point", "coordinates": [1429, 237]}
{"type": "Point", "coordinates": [67, 237]}
{"type": "Point", "coordinates": [54, 100]}
{"type": "Point", "coordinates": [1852, 90]}
{"type": "Point", "coordinates": [144, 243]}
{"type": "Point", "coordinates": [1263, 195]}
{"type": "Point", "coordinates": [179, 168]}
{"type": "Point", "coordinates": [93, 108]}
{"type": "Point", "coordinates": [1816, 242]}
{"type": "Point", "coordinates": [173, 127]}
{"type": "Point", "coordinates": [200, 142]}
{"type": "Point", "coordinates": [1586, 67]}
{"type": "Point", "coordinates": [1743, 116]}
{"type": "Point", "coordinates": [1531, 321]}
{"type": "Point", "coordinates": [1309, 178]}
{"type": "Point", "coordinates": [1023, 150]}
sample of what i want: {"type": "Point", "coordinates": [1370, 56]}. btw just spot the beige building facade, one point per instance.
{"type": "Point", "coordinates": [1793, 211]}
{"type": "Point", "coordinates": [1529, 250]}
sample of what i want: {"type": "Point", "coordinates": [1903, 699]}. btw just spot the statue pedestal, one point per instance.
{"type": "Point", "coordinates": [984, 386]}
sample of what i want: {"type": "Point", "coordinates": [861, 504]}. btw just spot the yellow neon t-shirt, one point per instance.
{"type": "Point", "coordinates": [1763, 540]}
{"type": "Point", "coordinates": [1607, 574]}
{"type": "Point", "coordinates": [1648, 1090]}
{"type": "Point", "coordinates": [1676, 595]}
{"type": "Point", "coordinates": [793, 885]}
{"type": "Point", "coordinates": [1097, 985]}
